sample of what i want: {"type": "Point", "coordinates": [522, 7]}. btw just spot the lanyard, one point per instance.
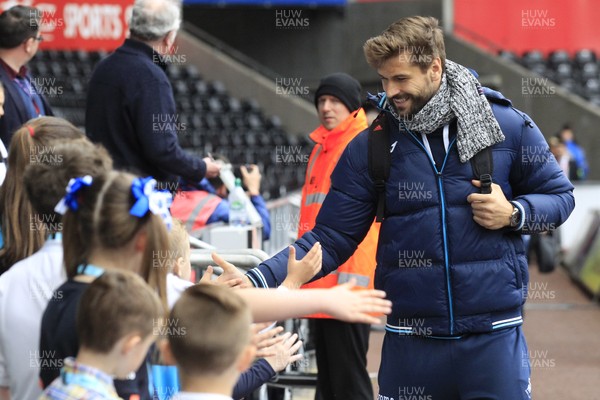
{"type": "Point", "coordinates": [446, 136]}
{"type": "Point", "coordinates": [26, 86]}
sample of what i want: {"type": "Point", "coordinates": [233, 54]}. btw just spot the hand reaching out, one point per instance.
{"type": "Point", "coordinates": [207, 277]}
{"type": "Point", "coordinates": [355, 306]}
{"type": "Point", "coordinates": [284, 350]}
{"type": "Point", "coordinates": [264, 338]}
{"type": "Point", "coordinates": [301, 271]}
{"type": "Point", "coordinates": [230, 272]}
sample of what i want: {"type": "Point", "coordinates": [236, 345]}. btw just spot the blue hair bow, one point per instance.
{"type": "Point", "coordinates": [70, 199]}
{"type": "Point", "coordinates": [149, 199]}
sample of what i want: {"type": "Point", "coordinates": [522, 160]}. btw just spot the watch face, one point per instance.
{"type": "Point", "coordinates": [514, 218]}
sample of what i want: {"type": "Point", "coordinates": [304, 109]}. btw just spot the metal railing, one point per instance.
{"type": "Point", "coordinates": [283, 214]}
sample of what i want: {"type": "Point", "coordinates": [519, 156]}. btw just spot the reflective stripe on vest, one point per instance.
{"type": "Point", "coordinates": [194, 208]}
{"type": "Point", "coordinates": [361, 280]}
{"type": "Point", "coordinates": [317, 198]}
{"type": "Point", "coordinates": [312, 162]}
{"type": "Point", "coordinates": [201, 204]}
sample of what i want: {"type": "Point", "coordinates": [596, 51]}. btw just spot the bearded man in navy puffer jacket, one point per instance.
{"type": "Point", "coordinates": [450, 258]}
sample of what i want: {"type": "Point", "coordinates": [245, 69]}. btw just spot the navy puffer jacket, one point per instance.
{"type": "Point", "coordinates": [445, 274]}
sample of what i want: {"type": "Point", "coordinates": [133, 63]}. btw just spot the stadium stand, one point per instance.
{"type": "Point", "coordinates": [210, 120]}
{"type": "Point", "coordinates": [579, 74]}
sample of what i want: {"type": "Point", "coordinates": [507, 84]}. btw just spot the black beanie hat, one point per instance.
{"type": "Point", "coordinates": [342, 86]}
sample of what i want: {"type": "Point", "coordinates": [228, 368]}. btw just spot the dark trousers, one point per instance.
{"type": "Point", "coordinates": [486, 366]}
{"type": "Point", "coordinates": [341, 350]}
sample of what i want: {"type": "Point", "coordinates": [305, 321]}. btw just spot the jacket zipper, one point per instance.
{"type": "Point", "coordinates": [443, 209]}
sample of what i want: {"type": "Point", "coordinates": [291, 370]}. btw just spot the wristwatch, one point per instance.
{"type": "Point", "coordinates": [515, 217]}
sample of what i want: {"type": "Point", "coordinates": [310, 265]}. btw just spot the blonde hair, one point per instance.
{"type": "Point", "coordinates": [103, 219]}
{"type": "Point", "coordinates": [179, 242]}
{"type": "Point", "coordinates": [116, 304]}
{"type": "Point", "coordinates": [420, 38]}
{"type": "Point", "coordinates": [212, 343]}
{"type": "Point", "coordinates": [34, 137]}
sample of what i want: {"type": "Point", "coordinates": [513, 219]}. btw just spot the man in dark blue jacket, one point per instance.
{"type": "Point", "coordinates": [130, 106]}
{"type": "Point", "coordinates": [450, 259]}
{"type": "Point", "coordinates": [19, 42]}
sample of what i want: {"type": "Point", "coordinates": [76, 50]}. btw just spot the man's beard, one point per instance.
{"type": "Point", "coordinates": [417, 102]}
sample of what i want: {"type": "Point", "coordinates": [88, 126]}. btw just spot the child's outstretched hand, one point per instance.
{"type": "Point", "coordinates": [207, 277]}
{"type": "Point", "coordinates": [231, 276]}
{"type": "Point", "coordinates": [354, 306]}
{"type": "Point", "coordinates": [264, 336]}
{"type": "Point", "coordinates": [285, 351]}
{"type": "Point", "coordinates": [301, 271]}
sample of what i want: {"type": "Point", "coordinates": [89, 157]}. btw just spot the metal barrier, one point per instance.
{"type": "Point", "coordinates": [284, 215]}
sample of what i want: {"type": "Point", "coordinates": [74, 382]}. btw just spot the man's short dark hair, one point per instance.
{"type": "Point", "coordinates": [17, 24]}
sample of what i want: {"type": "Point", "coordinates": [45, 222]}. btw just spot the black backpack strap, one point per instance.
{"type": "Point", "coordinates": [380, 159]}
{"type": "Point", "coordinates": [483, 168]}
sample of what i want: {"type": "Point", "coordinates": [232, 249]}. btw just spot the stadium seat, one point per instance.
{"type": "Point", "coordinates": [508, 55]}
{"type": "Point", "coordinates": [532, 58]}
{"type": "Point", "coordinates": [562, 72]}
{"type": "Point", "coordinates": [589, 70]}
{"type": "Point", "coordinates": [558, 57]}
{"type": "Point", "coordinates": [584, 56]}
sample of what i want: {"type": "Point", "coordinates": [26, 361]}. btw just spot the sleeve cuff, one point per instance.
{"type": "Point", "coordinates": [257, 278]}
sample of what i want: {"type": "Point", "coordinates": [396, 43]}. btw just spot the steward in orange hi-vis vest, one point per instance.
{"type": "Point", "coordinates": [194, 208]}
{"type": "Point", "coordinates": [323, 159]}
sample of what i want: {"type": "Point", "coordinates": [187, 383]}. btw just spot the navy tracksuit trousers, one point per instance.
{"type": "Point", "coordinates": [490, 366]}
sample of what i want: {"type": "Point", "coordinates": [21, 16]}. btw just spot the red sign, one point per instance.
{"type": "Point", "coordinates": [521, 25]}
{"type": "Point", "coordinates": [80, 25]}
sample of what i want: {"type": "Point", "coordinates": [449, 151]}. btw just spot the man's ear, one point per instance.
{"type": "Point", "coordinates": [435, 69]}
{"type": "Point", "coordinates": [170, 39]}
{"type": "Point", "coordinates": [29, 43]}
{"type": "Point", "coordinates": [246, 357]}
{"type": "Point", "coordinates": [129, 342]}
{"type": "Point", "coordinates": [166, 352]}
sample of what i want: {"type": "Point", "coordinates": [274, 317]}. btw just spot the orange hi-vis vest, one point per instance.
{"type": "Point", "coordinates": [194, 208]}
{"type": "Point", "coordinates": [323, 159]}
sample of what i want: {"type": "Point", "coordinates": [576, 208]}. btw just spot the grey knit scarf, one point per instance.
{"type": "Point", "coordinates": [460, 96]}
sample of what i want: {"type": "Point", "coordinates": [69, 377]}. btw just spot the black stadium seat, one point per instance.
{"type": "Point", "coordinates": [532, 58]}
{"type": "Point", "coordinates": [558, 57]}
{"type": "Point", "coordinates": [584, 56]}
{"type": "Point", "coordinates": [579, 74]}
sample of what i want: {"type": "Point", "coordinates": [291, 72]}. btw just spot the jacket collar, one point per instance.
{"type": "Point", "coordinates": [21, 73]}
{"type": "Point", "coordinates": [137, 47]}
{"type": "Point", "coordinates": [328, 138]}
